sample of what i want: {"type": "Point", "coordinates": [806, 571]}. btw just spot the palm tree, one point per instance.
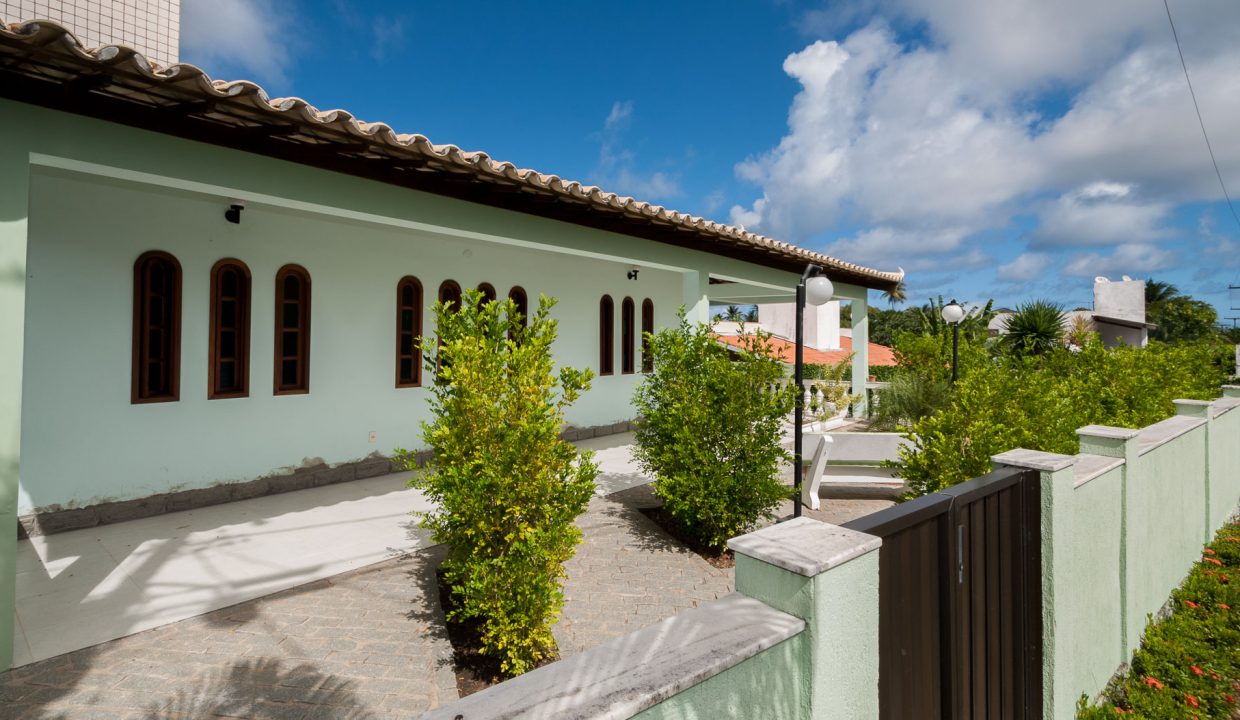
{"type": "Point", "coordinates": [752, 315]}
{"type": "Point", "coordinates": [1158, 291]}
{"type": "Point", "coordinates": [734, 314]}
{"type": "Point", "coordinates": [1035, 328]}
{"type": "Point", "coordinates": [896, 295]}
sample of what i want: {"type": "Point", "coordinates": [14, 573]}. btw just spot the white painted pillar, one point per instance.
{"type": "Point", "coordinates": [861, 352]}
{"type": "Point", "coordinates": [696, 286]}
{"type": "Point", "coordinates": [14, 201]}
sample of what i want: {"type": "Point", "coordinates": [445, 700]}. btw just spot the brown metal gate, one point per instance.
{"type": "Point", "coordinates": [960, 611]}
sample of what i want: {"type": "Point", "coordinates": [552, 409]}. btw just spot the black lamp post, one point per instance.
{"type": "Point", "coordinates": [817, 289]}
{"type": "Point", "coordinates": [952, 315]}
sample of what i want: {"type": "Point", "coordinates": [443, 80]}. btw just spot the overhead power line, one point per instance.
{"type": "Point", "coordinates": [1200, 121]}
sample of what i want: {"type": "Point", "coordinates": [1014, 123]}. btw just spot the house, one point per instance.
{"type": "Point", "coordinates": [210, 294]}
{"type": "Point", "coordinates": [1118, 315]}
{"type": "Point", "coordinates": [826, 343]}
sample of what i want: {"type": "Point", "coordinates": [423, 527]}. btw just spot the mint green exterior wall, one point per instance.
{"type": "Point", "coordinates": [1114, 546]}
{"type": "Point", "coordinates": [1224, 466]}
{"type": "Point", "coordinates": [13, 203]}
{"type": "Point", "coordinates": [101, 194]}
{"type": "Point", "coordinates": [771, 685]}
{"type": "Point", "coordinates": [1165, 521]}
{"type": "Point", "coordinates": [1083, 607]}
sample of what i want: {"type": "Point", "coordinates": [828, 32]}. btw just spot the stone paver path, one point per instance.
{"type": "Point", "coordinates": [366, 644]}
{"type": "Point", "coordinates": [628, 574]}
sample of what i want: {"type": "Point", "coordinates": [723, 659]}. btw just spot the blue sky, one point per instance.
{"type": "Point", "coordinates": [1006, 150]}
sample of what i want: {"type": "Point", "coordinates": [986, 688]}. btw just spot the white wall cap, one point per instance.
{"type": "Point", "coordinates": [622, 677]}
{"type": "Point", "coordinates": [1034, 460]}
{"type": "Point", "coordinates": [1089, 467]}
{"type": "Point", "coordinates": [804, 546]}
{"type": "Point", "coordinates": [1108, 431]}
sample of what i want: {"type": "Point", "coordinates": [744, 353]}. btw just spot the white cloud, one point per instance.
{"type": "Point", "coordinates": [619, 116]}
{"type": "Point", "coordinates": [1133, 259]}
{"type": "Point", "coordinates": [616, 169]}
{"type": "Point", "coordinates": [1025, 268]}
{"type": "Point", "coordinates": [928, 147]}
{"type": "Point", "coordinates": [1101, 213]}
{"type": "Point", "coordinates": [246, 37]}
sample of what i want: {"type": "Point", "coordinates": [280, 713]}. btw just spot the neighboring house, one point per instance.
{"type": "Point", "coordinates": [825, 341]}
{"type": "Point", "coordinates": [1118, 315]}
{"type": "Point", "coordinates": [203, 286]}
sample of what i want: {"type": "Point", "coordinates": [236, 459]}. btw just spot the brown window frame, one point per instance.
{"type": "Point", "coordinates": [140, 391]}
{"type": "Point", "coordinates": [607, 336]}
{"type": "Point", "coordinates": [241, 356]}
{"type": "Point", "coordinates": [647, 331]}
{"type": "Point", "coordinates": [519, 298]}
{"type": "Point", "coordinates": [453, 288]}
{"type": "Point", "coordinates": [628, 348]}
{"type": "Point", "coordinates": [415, 355]}
{"type": "Point", "coordinates": [305, 303]}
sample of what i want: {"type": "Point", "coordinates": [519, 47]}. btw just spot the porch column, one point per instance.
{"type": "Point", "coordinates": [696, 286]}
{"type": "Point", "coordinates": [14, 175]}
{"type": "Point", "coordinates": [861, 352]}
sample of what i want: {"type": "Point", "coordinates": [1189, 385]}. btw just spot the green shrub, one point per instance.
{"type": "Point", "coordinates": [710, 432]}
{"type": "Point", "coordinates": [910, 397]}
{"type": "Point", "coordinates": [1038, 402]}
{"type": "Point", "coordinates": [506, 488]}
{"type": "Point", "coordinates": [1188, 665]}
{"type": "Point", "coordinates": [1035, 328]}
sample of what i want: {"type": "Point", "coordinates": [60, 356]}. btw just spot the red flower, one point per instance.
{"type": "Point", "coordinates": [1208, 551]}
{"type": "Point", "coordinates": [1216, 561]}
{"type": "Point", "coordinates": [1152, 682]}
{"type": "Point", "coordinates": [1224, 606]}
{"type": "Point", "coordinates": [1191, 604]}
{"type": "Point", "coordinates": [1196, 670]}
{"type": "Point", "coordinates": [1229, 698]}
{"type": "Point", "coordinates": [1191, 701]}
{"type": "Point", "coordinates": [1222, 578]}
{"type": "Point", "coordinates": [1215, 676]}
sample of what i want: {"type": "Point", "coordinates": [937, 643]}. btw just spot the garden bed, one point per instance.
{"type": "Point", "coordinates": [473, 670]}
{"type": "Point", "coordinates": [664, 520]}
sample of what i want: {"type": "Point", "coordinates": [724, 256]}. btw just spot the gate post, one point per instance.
{"type": "Point", "coordinates": [827, 576]}
{"type": "Point", "coordinates": [1057, 479]}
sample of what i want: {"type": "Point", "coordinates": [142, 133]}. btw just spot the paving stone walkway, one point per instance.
{"type": "Point", "coordinates": [365, 644]}
{"type": "Point", "coordinates": [368, 643]}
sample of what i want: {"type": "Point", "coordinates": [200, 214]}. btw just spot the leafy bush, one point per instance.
{"type": "Point", "coordinates": [1188, 665]}
{"type": "Point", "coordinates": [506, 488]}
{"type": "Point", "coordinates": [1038, 402]}
{"type": "Point", "coordinates": [710, 432]}
{"type": "Point", "coordinates": [910, 397]}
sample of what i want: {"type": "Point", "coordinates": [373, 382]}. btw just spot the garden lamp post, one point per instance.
{"type": "Point", "coordinates": [952, 315]}
{"type": "Point", "coordinates": [815, 289]}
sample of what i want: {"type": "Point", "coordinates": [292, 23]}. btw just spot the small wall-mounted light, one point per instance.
{"type": "Point", "coordinates": [632, 275]}
{"type": "Point", "coordinates": [233, 213]}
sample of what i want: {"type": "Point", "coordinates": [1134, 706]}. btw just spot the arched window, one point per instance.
{"type": "Point", "coordinates": [156, 328]}
{"type": "Point", "coordinates": [606, 336]}
{"type": "Point", "coordinates": [647, 331]}
{"type": "Point", "coordinates": [408, 332]}
{"type": "Point", "coordinates": [488, 293]}
{"type": "Point", "coordinates": [228, 372]}
{"type": "Point", "coordinates": [521, 300]}
{"type": "Point", "coordinates": [627, 348]}
{"type": "Point", "coordinates": [292, 355]}
{"type": "Point", "coordinates": [450, 294]}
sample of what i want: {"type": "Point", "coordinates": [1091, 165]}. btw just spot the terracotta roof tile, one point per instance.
{"type": "Point", "coordinates": [46, 51]}
{"type": "Point", "coordinates": [785, 350]}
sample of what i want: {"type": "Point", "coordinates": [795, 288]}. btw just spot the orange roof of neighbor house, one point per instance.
{"type": "Point", "coordinates": [785, 350]}
{"type": "Point", "coordinates": [43, 63]}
